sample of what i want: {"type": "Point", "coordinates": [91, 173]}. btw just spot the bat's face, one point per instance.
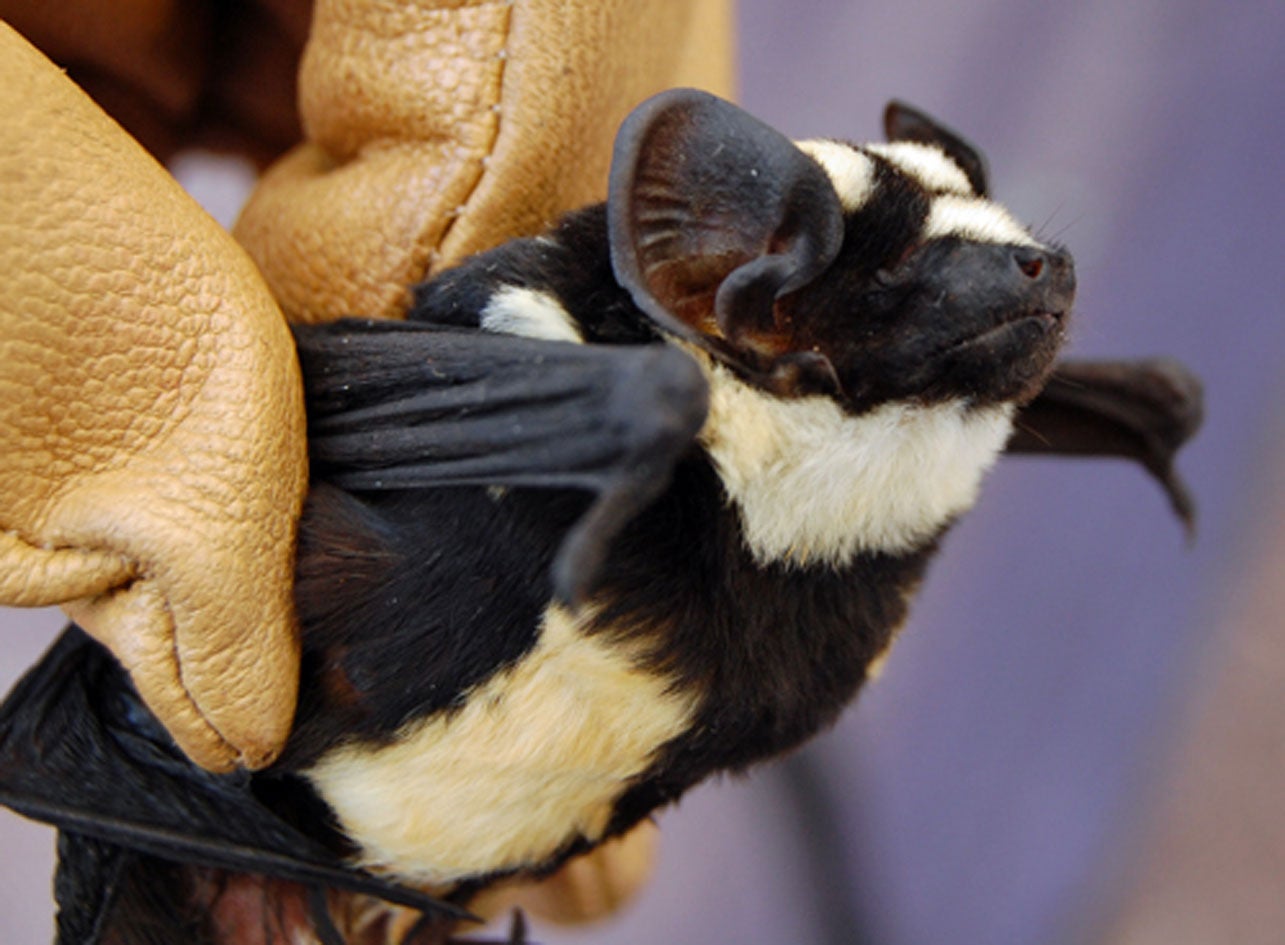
{"type": "Point", "coordinates": [876, 274]}
{"type": "Point", "coordinates": [936, 293]}
{"type": "Point", "coordinates": [877, 316]}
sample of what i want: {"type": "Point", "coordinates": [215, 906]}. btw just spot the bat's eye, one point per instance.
{"type": "Point", "coordinates": [886, 275]}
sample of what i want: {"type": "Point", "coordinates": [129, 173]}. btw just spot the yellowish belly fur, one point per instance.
{"type": "Point", "coordinates": [536, 756]}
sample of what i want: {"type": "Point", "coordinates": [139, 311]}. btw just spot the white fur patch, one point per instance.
{"type": "Point", "coordinates": [815, 484]}
{"type": "Point", "coordinates": [979, 220]}
{"type": "Point", "coordinates": [850, 171]}
{"type": "Point", "coordinates": [537, 755]}
{"type": "Point", "coordinates": [925, 164]}
{"type": "Point", "coordinates": [515, 310]}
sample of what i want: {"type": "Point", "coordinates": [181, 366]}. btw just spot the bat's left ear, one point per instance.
{"type": "Point", "coordinates": [903, 123]}
{"type": "Point", "coordinates": [713, 216]}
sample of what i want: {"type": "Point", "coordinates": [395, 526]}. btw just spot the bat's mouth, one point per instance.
{"type": "Point", "coordinates": [1014, 334]}
{"type": "Point", "coordinates": [1009, 361]}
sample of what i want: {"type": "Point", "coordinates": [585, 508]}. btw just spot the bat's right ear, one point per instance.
{"type": "Point", "coordinates": [713, 216]}
{"type": "Point", "coordinates": [901, 122]}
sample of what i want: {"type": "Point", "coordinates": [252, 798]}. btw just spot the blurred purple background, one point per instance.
{"type": "Point", "coordinates": [989, 790]}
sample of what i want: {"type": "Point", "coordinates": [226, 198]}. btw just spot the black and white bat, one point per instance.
{"type": "Point", "coordinates": [619, 507]}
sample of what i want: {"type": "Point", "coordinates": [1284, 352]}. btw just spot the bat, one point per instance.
{"type": "Point", "coordinates": [620, 506]}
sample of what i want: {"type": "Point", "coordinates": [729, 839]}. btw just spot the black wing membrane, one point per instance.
{"type": "Point", "coordinates": [79, 750]}
{"type": "Point", "coordinates": [1140, 410]}
{"type": "Point", "coordinates": [398, 405]}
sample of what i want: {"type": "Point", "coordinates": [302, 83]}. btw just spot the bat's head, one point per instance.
{"type": "Point", "coordinates": [874, 274]}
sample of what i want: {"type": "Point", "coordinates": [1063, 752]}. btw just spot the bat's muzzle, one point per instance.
{"type": "Point", "coordinates": [1047, 274]}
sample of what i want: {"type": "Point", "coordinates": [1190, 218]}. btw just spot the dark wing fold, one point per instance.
{"type": "Point", "coordinates": [79, 750]}
{"type": "Point", "coordinates": [86, 884]}
{"type": "Point", "coordinates": [1140, 410]}
{"type": "Point", "coordinates": [397, 405]}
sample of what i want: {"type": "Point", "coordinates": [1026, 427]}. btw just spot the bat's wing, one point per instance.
{"type": "Point", "coordinates": [79, 750]}
{"type": "Point", "coordinates": [1139, 410]}
{"type": "Point", "coordinates": [394, 405]}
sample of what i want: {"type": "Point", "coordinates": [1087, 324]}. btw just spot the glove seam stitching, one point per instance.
{"type": "Point", "coordinates": [497, 108]}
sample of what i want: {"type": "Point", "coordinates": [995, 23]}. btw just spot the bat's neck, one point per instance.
{"type": "Point", "coordinates": [814, 484]}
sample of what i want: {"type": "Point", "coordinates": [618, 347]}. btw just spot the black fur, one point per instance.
{"type": "Point", "coordinates": [418, 579]}
{"type": "Point", "coordinates": [455, 611]}
{"type": "Point", "coordinates": [877, 313]}
{"type": "Point", "coordinates": [775, 652]}
{"type": "Point", "coordinates": [772, 652]}
{"type": "Point", "coordinates": [571, 262]}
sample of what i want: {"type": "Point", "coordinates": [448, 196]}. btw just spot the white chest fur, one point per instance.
{"type": "Point", "coordinates": [813, 484]}
{"type": "Point", "coordinates": [537, 755]}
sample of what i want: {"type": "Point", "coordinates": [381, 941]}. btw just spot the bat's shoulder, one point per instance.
{"type": "Point", "coordinates": [556, 286]}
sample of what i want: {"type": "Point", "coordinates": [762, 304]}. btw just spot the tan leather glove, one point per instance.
{"type": "Point", "coordinates": [434, 130]}
{"type": "Point", "coordinates": [152, 458]}
{"type": "Point", "coordinates": [437, 129]}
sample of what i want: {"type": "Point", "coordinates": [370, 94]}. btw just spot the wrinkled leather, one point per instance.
{"type": "Point", "coordinates": [437, 129]}
{"type": "Point", "coordinates": [152, 459]}
{"type": "Point", "coordinates": [150, 434]}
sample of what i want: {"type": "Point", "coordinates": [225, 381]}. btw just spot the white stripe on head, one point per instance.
{"type": "Point", "coordinates": [814, 484]}
{"type": "Point", "coordinates": [974, 219]}
{"type": "Point", "coordinates": [515, 310]}
{"type": "Point", "coordinates": [927, 165]}
{"type": "Point", "coordinates": [850, 171]}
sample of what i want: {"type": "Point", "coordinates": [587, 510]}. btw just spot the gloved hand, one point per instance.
{"type": "Point", "coordinates": [152, 461]}
{"type": "Point", "coordinates": [151, 445]}
{"type": "Point", "coordinates": [438, 129]}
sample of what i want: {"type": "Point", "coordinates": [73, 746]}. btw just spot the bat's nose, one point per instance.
{"type": "Point", "coordinates": [1048, 271]}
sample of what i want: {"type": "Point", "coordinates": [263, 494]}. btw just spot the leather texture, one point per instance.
{"type": "Point", "coordinates": [152, 456]}
{"type": "Point", "coordinates": [437, 129]}
{"type": "Point", "coordinates": [151, 432]}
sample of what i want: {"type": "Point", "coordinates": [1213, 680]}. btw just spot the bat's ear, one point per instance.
{"type": "Point", "coordinates": [903, 123]}
{"type": "Point", "coordinates": [713, 216]}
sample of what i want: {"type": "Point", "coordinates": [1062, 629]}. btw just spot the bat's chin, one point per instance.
{"type": "Point", "coordinates": [1010, 361]}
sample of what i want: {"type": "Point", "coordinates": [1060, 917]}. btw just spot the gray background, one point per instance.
{"type": "Point", "coordinates": [990, 788]}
